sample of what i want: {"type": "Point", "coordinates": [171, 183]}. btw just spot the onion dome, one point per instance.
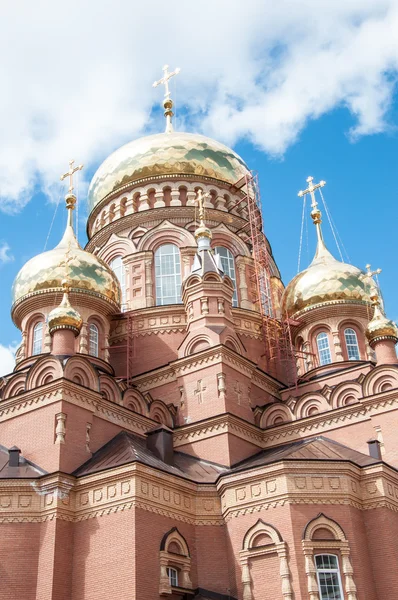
{"type": "Point", "coordinates": [326, 280]}
{"type": "Point", "coordinates": [87, 274]}
{"type": "Point", "coordinates": [65, 316]}
{"type": "Point", "coordinates": [171, 154]}
{"type": "Point", "coordinates": [380, 328]}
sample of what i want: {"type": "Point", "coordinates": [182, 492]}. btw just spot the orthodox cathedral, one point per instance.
{"type": "Point", "coordinates": [179, 424]}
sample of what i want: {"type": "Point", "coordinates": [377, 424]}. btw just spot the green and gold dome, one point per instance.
{"type": "Point", "coordinates": [87, 274]}
{"type": "Point", "coordinates": [185, 155]}
{"type": "Point", "coordinates": [326, 280]}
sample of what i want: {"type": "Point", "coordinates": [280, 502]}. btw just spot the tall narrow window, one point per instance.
{"type": "Point", "coordinates": [37, 342]}
{"type": "Point", "coordinates": [324, 353]}
{"type": "Point", "coordinates": [93, 339]}
{"type": "Point", "coordinates": [118, 268]}
{"type": "Point", "coordinates": [328, 574]}
{"type": "Point", "coordinates": [228, 265]}
{"type": "Point", "coordinates": [168, 275]}
{"type": "Point", "coordinates": [351, 342]}
{"type": "Point", "coordinates": [173, 576]}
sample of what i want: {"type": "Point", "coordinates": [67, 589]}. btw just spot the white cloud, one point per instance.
{"type": "Point", "coordinates": [7, 359]}
{"type": "Point", "coordinates": [5, 256]}
{"type": "Point", "coordinates": [77, 82]}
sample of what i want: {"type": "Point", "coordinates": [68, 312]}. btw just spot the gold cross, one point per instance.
{"type": "Point", "coordinates": [200, 198]}
{"type": "Point", "coordinates": [165, 80]}
{"type": "Point", "coordinates": [370, 273]}
{"type": "Point", "coordinates": [311, 189]}
{"type": "Point", "coordinates": [70, 174]}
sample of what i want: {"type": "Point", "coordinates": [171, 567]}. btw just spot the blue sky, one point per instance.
{"type": "Point", "coordinates": [296, 90]}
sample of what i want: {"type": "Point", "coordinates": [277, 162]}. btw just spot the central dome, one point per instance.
{"type": "Point", "coordinates": [175, 153]}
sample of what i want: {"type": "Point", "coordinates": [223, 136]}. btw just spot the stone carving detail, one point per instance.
{"type": "Point", "coordinates": [204, 305]}
{"type": "Point", "coordinates": [60, 428]}
{"type": "Point", "coordinates": [88, 429]}
{"type": "Point", "coordinates": [199, 392]}
{"type": "Point", "coordinates": [221, 387]}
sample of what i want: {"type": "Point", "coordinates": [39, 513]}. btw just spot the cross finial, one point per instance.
{"type": "Point", "coordinates": [70, 174]}
{"type": "Point", "coordinates": [311, 189]}
{"type": "Point", "coordinates": [370, 273]}
{"type": "Point", "coordinates": [165, 80]}
{"type": "Point", "coordinates": [167, 102]}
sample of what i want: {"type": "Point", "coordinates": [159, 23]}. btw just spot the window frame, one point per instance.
{"type": "Point", "coordinates": [170, 572]}
{"type": "Point", "coordinates": [320, 350]}
{"type": "Point", "coordinates": [35, 341]}
{"type": "Point", "coordinates": [229, 261]}
{"type": "Point", "coordinates": [161, 299]}
{"type": "Point", "coordinates": [330, 570]}
{"type": "Point", "coordinates": [347, 345]}
{"type": "Point", "coordinates": [90, 326]}
{"type": "Point", "coordinates": [121, 278]}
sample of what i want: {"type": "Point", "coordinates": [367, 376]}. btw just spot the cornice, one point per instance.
{"type": "Point", "coordinates": [63, 390]}
{"type": "Point", "coordinates": [61, 496]}
{"type": "Point", "coordinates": [178, 215]}
{"type": "Point", "coordinates": [218, 425]}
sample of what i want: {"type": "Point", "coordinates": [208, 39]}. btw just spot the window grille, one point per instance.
{"type": "Point", "coordinates": [322, 341]}
{"type": "Point", "coordinates": [168, 275]}
{"type": "Point", "coordinates": [228, 265]}
{"type": "Point", "coordinates": [328, 575]}
{"type": "Point", "coordinates": [351, 342]}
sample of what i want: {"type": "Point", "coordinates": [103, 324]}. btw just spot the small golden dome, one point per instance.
{"type": "Point", "coordinates": [326, 281]}
{"type": "Point", "coordinates": [175, 153]}
{"type": "Point", "coordinates": [87, 273]}
{"type": "Point", "coordinates": [65, 316]}
{"type": "Point", "coordinates": [380, 328]}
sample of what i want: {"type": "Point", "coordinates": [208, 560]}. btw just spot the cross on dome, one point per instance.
{"type": "Point", "coordinates": [311, 189]}
{"type": "Point", "coordinates": [165, 80]}
{"type": "Point", "coordinates": [70, 173]}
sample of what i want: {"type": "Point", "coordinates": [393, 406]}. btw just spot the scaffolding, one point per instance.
{"type": "Point", "coordinates": [279, 351]}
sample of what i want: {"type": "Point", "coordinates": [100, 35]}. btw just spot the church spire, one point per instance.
{"type": "Point", "coordinates": [316, 215]}
{"type": "Point", "coordinates": [69, 237]}
{"type": "Point", "coordinates": [167, 102]}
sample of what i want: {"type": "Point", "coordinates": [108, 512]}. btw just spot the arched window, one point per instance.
{"type": "Point", "coordinates": [322, 342]}
{"type": "Point", "coordinates": [37, 340]}
{"type": "Point", "coordinates": [328, 575]}
{"type": "Point", "coordinates": [228, 265]}
{"type": "Point", "coordinates": [93, 339]}
{"type": "Point", "coordinates": [117, 267]}
{"type": "Point", "coordinates": [351, 342]}
{"type": "Point", "coordinates": [168, 275]}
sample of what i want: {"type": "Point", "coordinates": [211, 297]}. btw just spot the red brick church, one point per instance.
{"type": "Point", "coordinates": [179, 424]}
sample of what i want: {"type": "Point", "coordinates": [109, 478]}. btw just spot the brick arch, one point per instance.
{"type": "Point", "coordinates": [116, 246]}
{"type": "Point", "coordinates": [159, 412]}
{"type": "Point", "coordinates": [379, 378]}
{"type": "Point", "coordinates": [252, 551]}
{"type": "Point", "coordinates": [360, 333]}
{"type": "Point", "coordinates": [222, 236]}
{"type": "Point", "coordinates": [308, 402]}
{"type": "Point", "coordinates": [313, 544]}
{"type": "Point", "coordinates": [16, 385]}
{"type": "Point", "coordinates": [321, 521]}
{"type": "Point", "coordinates": [275, 411]}
{"type": "Point", "coordinates": [181, 561]}
{"type": "Point", "coordinates": [344, 392]}
{"type": "Point", "coordinates": [28, 328]}
{"type": "Point", "coordinates": [109, 389]}
{"type": "Point", "coordinates": [80, 371]}
{"type": "Point", "coordinates": [260, 528]}
{"type": "Point", "coordinates": [134, 400]}
{"type": "Point", "coordinates": [46, 369]}
{"type": "Point", "coordinates": [197, 344]}
{"type": "Point", "coordinates": [166, 233]}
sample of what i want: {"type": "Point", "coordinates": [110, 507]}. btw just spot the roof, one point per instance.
{"type": "Point", "coordinates": [127, 448]}
{"type": "Point", "coordinates": [25, 469]}
{"type": "Point", "coordinates": [316, 448]}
